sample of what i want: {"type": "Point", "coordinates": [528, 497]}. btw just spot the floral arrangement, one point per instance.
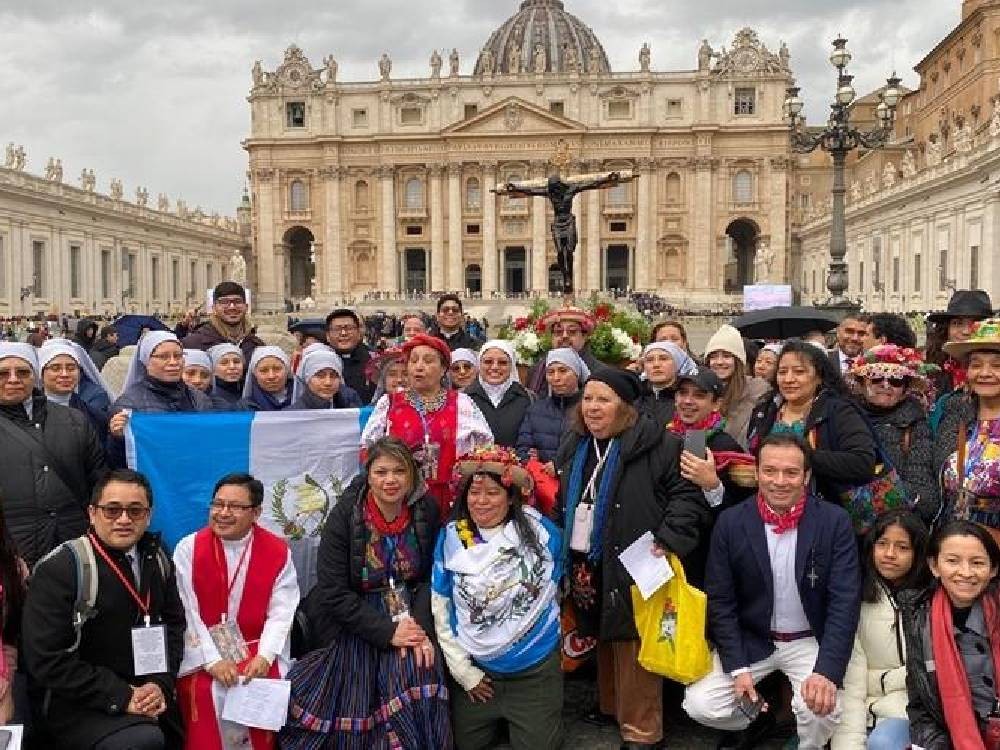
{"type": "Point", "coordinates": [528, 335]}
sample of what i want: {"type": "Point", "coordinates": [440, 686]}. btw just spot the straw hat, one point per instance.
{"type": "Point", "coordinates": [985, 338]}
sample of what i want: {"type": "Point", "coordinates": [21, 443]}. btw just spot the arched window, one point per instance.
{"type": "Point", "coordinates": [361, 195]}
{"type": "Point", "coordinates": [743, 187]}
{"type": "Point", "coordinates": [413, 195]}
{"type": "Point", "coordinates": [472, 193]}
{"type": "Point", "coordinates": [673, 188]}
{"type": "Point", "coordinates": [297, 198]}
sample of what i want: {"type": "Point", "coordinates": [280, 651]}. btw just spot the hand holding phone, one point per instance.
{"type": "Point", "coordinates": [694, 443]}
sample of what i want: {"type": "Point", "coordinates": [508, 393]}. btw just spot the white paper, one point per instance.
{"type": "Point", "coordinates": [262, 703]}
{"type": "Point", "coordinates": [149, 650]}
{"type": "Point", "coordinates": [648, 572]}
{"type": "Point", "coordinates": [11, 736]}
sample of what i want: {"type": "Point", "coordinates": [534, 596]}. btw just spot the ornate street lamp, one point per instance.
{"type": "Point", "coordinates": [839, 138]}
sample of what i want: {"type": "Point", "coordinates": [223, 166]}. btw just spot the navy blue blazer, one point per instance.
{"type": "Point", "coordinates": [740, 585]}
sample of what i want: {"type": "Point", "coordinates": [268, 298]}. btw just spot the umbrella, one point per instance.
{"type": "Point", "coordinates": [784, 322]}
{"type": "Point", "coordinates": [128, 327]}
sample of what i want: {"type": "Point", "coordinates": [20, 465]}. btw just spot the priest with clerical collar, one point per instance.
{"type": "Point", "coordinates": [240, 592]}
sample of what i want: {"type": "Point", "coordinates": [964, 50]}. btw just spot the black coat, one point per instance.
{"type": "Point", "coordinates": [48, 467]}
{"type": "Point", "coordinates": [344, 398]}
{"type": "Point", "coordinates": [647, 494]}
{"type": "Point", "coordinates": [544, 425]}
{"type": "Point", "coordinates": [659, 405]}
{"type": "Point", "coordinates": [103, 351]}
{"type": "Point", "coordinates": [505, 418]}
{"type": "Point", "coordinates": [905, 435]}
{"type": "Point", "coordinates": [924, 710]}
{"type": "Point", "coordinates": [90, 687]}
{"type": "Point", "coordinates": [845, 452]}
{"type": "Point", "coordinates": [337, 603]}
{"type": "Point", "coordinates": [205, 336]}
{"type": "Point", "coordinates": [740, 586]}
{"type": "Point", "coordinates": [461, 339]}
{"type": "Point", "coordinates": [355, 363]}
{"type": "Point", "coordinates": [959, 412]}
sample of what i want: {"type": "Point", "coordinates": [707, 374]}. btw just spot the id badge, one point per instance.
{"type": "Point", "coordinates": [149, 650]}
{"type": "Point", "coordinates": [964, 504]}
{"type": "Point", "coordinates": [229, 641]}
{"type": "Point", "coordinates": [397, 601]}
{"type": "Point", "coordinates": [431, 455]}
{"type": "Point", "coordinates": [583, 528]}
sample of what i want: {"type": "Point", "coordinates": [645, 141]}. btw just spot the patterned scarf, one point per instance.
{"type": "Point", "coordinates": [574, 493]}
{"type": "Point", "coordinates": [786, 521]}
{"type": "Point", "coordinates": [713, 424]}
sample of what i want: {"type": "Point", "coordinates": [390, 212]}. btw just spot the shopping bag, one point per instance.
{"type": "Point", "coordinates": [671, 625]}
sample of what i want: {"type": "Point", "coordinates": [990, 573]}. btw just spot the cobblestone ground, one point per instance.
{"type": "Point", "coordinates": [680, 732]}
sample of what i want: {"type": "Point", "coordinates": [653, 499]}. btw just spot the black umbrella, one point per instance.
{"type": "Point", "coordinates": [784, 322]}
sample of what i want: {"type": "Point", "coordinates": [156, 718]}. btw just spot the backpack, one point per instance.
{"type": "Point", "coordinates": [85, 563]}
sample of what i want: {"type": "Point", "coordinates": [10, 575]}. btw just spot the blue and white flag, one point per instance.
{"type": "Point", "coordinates": [305, 459]}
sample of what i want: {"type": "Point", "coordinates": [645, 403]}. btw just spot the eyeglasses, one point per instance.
{"type": "Point", "coordinates": [894, 382]}
{"type": "Point", "coordinates": [20, 373]}
{"type": "Point", "coordinates": [450, 309]}
{"type": "Point", "coordinates": [65, 369]}
{"type": "Point", "coordinates": [573, 331]}
{"type": "Point", "coordinates": [168, 357]}
{"type": "Point", "coordinates": [221, 506]}
{"type": "Point", "coordinates": [489, 363]}
{"type": "Point", "coordinates": [348, 328]}
{"type": "Point", "coordinates": [113, 511]}
{"type": "Point", "coordinates": [230, 302]}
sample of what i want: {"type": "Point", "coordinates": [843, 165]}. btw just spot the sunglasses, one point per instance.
{"type": "Point", "coordinates": [894, 382]}
{"type": "Point", "coordinates": [112, 512]}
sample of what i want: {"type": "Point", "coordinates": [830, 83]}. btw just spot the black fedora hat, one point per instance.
{"type": "Point", "coordinates": [965, 303]}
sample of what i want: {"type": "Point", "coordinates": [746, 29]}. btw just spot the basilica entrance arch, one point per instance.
{"type": "Point", "coordinates": [515, 274]}
{"type": "Point", "coordinates": [415, 279]}
{"type": "Point", "coordinates": [741, 238]}
{"type": "Point", "coordinates": [474, 278]}
{"type": "Point", "coordinates": [617, 273]}
{"type": "Point", "coordinates": [300, 269]}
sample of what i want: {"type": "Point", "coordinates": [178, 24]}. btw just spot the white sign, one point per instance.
{"type": "Point", "coordinates": [763, 296]}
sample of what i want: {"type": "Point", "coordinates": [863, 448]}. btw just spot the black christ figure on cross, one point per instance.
{"type": "Point", "coordinates": [560, 194]}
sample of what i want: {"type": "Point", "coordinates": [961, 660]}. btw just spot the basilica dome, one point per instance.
{"type": "Point", "coordinates": [542, 36]}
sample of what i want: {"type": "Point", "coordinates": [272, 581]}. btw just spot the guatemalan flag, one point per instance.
{"type": "Point", "coordinates": [305, 459]}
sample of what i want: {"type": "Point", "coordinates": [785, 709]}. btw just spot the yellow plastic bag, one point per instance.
{"type": "Point", "coordinates": [671, 625]}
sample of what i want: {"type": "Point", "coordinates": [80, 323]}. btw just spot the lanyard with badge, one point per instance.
{"type": "Point", "coordinates": [149, 643]}
{"type": "Point", "coordinates": [429, 454]}
{"type": "Point", "coordinates": [226, 635]}
{"type": "Point", "coordinates": [396, 596]}
{"type": "Point", "coordinates": [583, 519]}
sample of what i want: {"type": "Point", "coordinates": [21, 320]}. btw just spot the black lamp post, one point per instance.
{"type": "Point", "coordinates": [839, 138]}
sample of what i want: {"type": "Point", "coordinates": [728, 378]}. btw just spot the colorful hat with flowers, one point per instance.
{"type": "Point", "coordinates": [892, 361]}
{"type": "Point", "coordinates": [569, 314]}
{"type": "Point", "coordinates": [498, 461]}
{"type": "Point", "coordinates": [986, 337]}
{"type": "Point", "coordinates": [378, 361]}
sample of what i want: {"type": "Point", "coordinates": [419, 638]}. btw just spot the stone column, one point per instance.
{"type": "Point", "coordinates": [592, 256]}
{"type": "Point", "coordinates": [778, 219]}
{"type": "Point", "coordinates": [489, 229]}
{"type": "Point", "coordinates": [643, 253]}
{"type": "Point", "coordinates": [539, 236]}
{"type": "Point", "coordinates": [437, 275]}
{"type": "Point", "coordinates": [333, 279]}
{"type": "Point", "coordinates": [388, 277]}
{"type": "Point", "coordinates": [270, 277]}
{"type": "Point", "coordinates": [702, 237]}
{"type": "Point", "coordinates": [456, 266]}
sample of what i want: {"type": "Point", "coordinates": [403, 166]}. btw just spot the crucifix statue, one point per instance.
{"type": "Point", "coordinates": [560, 191]}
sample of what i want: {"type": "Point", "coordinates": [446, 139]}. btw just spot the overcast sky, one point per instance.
{"type": "Point", "coordinates": [154, 93]}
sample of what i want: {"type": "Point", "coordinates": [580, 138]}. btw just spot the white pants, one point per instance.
{"type": "Point", "coordinates": [712, 701]}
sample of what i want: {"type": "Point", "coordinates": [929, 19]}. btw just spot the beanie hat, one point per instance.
{"type": "Point", "coordinates": [624, 383]}
{"type": "Point", "coordinates": [229, 289]}
{"type": "Point", "coordinates": [727, 339]}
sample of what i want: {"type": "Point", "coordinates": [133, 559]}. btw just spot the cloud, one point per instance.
{"type": "Point", "coordinates": [154, 94]}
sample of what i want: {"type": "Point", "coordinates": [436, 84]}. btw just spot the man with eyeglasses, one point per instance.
{"type": "Point", "coordinates": [228, 323]}
{"type": "Point", "coordinates": [240, 593]}
{"type": "Point", "coordinates": [51, 458]}
{"type": "Point", "coordinates": [570, 327]}
{"type": "Point", "coordinates": [107, 684]}
{"type": "Point", "coordinates": [344, 334]}
{"type": "Point", "coordinates": [451, 324]}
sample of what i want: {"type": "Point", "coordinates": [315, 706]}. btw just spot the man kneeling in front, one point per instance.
{"type": "Point", "coordinates": [103, 630]}
{"type": "Point", "coordinates": [783, 595]}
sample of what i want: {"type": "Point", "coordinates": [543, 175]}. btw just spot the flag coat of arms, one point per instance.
{"type": "Point", "coordinates": [305, 459]}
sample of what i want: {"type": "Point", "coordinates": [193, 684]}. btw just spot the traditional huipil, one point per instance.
{"type": "Point", "coordinates": [250, 581]}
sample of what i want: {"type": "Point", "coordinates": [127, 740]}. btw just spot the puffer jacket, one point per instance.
{"type": "Point", "coordinates": [505, 418]}
{"type": "Point", "coordinates": [875, 683]}
{"type": "Point", "coordinates": [48, 466]}
{"type": "Point", "coordinates": [337, 604]}
{"type": "Point", "coordinates": [905, 436]}
{"type": "Point", "coordinates": [544, 425]}
{"type": "Point", "coordinates": [647, 493]}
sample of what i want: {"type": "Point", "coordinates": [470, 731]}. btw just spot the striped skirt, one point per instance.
{"type": "Point", "coordinates": [354, 696]}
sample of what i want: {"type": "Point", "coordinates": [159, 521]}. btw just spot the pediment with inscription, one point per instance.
{"type": "Point", "coordinates": [514, 116]}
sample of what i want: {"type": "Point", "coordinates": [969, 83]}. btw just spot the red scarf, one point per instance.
{"type": "Point", "coordinates": [711, 424]}
{"type": "Point", "coordinates": [375, 519]}
{"type": "Point", "coordinates": [784, 522]}
{"type": "Point", "coordinates": [953, 683]}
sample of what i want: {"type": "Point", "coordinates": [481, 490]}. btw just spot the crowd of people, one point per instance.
{"type": "Point", "coordinates": [840, 508]}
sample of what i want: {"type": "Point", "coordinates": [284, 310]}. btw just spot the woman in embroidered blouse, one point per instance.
{"type": "Point", "coordinates": [268, 385]}
{"type": "Point", "coordinates": [376, 679]}
{"type": "Point", "coordinates": [436, 423]}
{"type": "Point", "coordinates": [968, 439]}
{"type": "Point", "coordinates": [496, 576]}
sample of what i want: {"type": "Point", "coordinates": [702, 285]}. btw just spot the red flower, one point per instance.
{"type": "Point", "coordinates": [635, 339]}
{"type": "Point", "coordinates": [520, 324]}
{"type": "Point", "coordinates": [602, 312]}
{"type": "Point", "coordinates": [539, 327]}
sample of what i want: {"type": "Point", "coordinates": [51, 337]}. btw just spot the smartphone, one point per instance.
{"type": "Point", "coordinates": [751, 708]}
{"type": "Point", "coordinates": [694, 443]}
